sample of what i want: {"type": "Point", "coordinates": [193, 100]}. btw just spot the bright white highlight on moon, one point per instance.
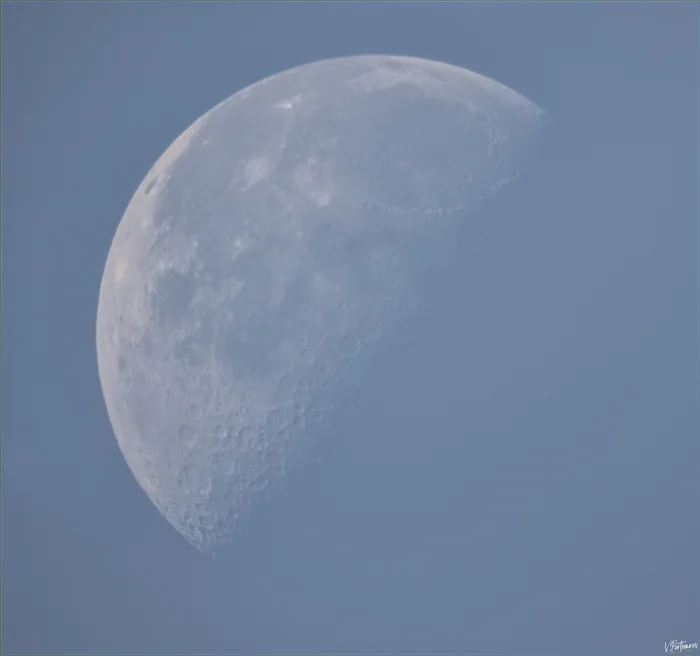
{"type": "Point", "coordinates": [268, 252]}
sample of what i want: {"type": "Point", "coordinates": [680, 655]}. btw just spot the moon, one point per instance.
{"type": "Point", "coordinates": [270, 251]}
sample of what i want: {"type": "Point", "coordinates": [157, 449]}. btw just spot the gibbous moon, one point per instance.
{"type": "Point", "coordinates": [269, 251]}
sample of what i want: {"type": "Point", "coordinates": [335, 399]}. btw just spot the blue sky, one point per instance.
{"type": "Point", "coordinates": [520, 476]}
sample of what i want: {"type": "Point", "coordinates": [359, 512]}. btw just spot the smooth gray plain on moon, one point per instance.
{"type": "Point", "coordinates": [266, 254]}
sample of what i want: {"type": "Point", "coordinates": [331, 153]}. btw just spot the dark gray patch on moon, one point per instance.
{"type": "Point", "coordinates": [150, 186]}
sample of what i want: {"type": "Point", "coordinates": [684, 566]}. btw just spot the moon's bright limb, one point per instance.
{"type": "Point", "coordinates": [267, 249]}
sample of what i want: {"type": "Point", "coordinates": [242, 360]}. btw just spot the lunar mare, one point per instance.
{"type": "Point", "coordinates": [267, 253]}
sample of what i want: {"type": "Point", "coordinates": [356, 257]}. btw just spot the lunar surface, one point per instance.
{"type": "Point", "coordinates": [274, 245]}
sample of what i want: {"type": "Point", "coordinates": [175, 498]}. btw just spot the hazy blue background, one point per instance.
{"type": "Point", "coordinates": [521, 476]}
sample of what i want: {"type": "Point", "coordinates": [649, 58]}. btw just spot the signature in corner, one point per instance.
{"type": "Point", "coordinates": [679, 646]}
